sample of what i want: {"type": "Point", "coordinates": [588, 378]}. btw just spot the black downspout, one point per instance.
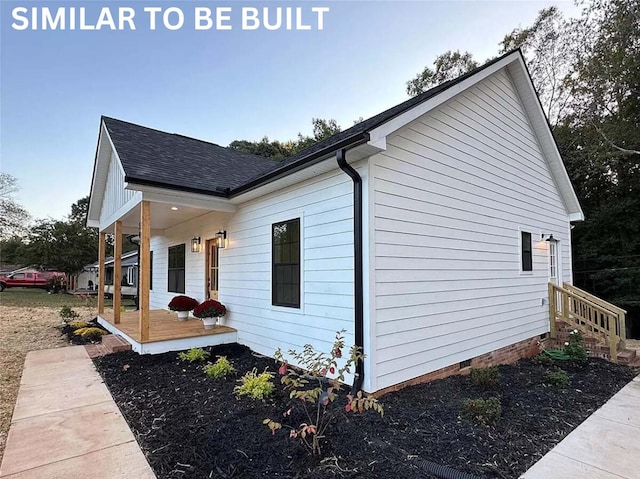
{"type": "Point", "coordinates": [358, 264]}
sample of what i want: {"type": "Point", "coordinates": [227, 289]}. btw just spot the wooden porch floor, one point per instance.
{"type": "Point", "coordinates": [163, 326]}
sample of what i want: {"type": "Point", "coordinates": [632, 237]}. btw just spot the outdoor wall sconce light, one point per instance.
{"type": "Point", "coordinates": [195, 244]}
{"type": "Point", "coordinates": [221, 239]}
{"type": "Point", "coordinates": [548, 237]}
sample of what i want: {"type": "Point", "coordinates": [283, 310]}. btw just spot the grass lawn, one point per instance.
{"type": "Point", "coordinates": [28, 321]}
{"type": "Point", "coordinates": [23, 297]}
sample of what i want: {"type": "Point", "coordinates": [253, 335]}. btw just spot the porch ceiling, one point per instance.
{"type": "Point", "coordinates": [163, 216]}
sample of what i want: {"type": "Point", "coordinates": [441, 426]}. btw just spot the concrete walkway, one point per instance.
{"type": "Point", "coordinates": [605, 446]}
{"type": "Point", "coordinates": [66, 424]}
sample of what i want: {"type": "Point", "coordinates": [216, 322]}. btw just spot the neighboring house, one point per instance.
{"type": "Point", "coordinates": [429, 232]}
{"type": "Point", "coordinates": [128, 274]}
{"type": "Point", "coordinates": [88, 278]}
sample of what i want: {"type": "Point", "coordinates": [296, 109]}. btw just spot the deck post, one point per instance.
{"type": "Point", "coordinates": [622, 329]}
{"type": "Point", "coordinates": [552, 311]}
{"type": "Point", "coordinates": [117, 271]}
{"type": "Point", "coordinates": [101, 272]}
{"type": "Point", "coordinates": [143, 265]}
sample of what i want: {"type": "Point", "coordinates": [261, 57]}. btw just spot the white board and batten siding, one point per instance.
{"type": "Point", "coordinates": [324, 205]}
{"type": "Point", "coordinates": [117, 200]}
{"type": "Point", "coordinates": [451, 194]}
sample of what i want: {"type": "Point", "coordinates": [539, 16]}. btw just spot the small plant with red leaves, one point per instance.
{"type": "Point", "coordinates": [210, 309]}
{"type": "Point", "coordinates": [314, 387]}
{"type": "Point", "coordinates": [182, 303]}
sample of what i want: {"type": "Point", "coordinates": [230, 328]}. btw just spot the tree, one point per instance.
{"type": "Point", "coordinates": [606, 81]}
{"type": "Point", "coordinates": [447, 66]}
{"type": "Point", "coordinates": [10, 250]}
{"type": "Point", "coordinates": [270, 149]}
{"type": "Point", "coordinates": [280, 150]}
{"type": "Point", "coordinates": [322, 129]}
{"type": "Point", "coordinates": [64, 245]}
{"type": "Point", "coordinates": [14, 218]}
{"type": "Point", "coordinates": [546, 45]}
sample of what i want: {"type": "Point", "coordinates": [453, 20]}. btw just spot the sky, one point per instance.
{"type": "Point", "coordinates": [216, 85]}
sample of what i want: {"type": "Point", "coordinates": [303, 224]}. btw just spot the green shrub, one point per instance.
{"type": "Point", "coordinates": [90, 333]}
{"type": "Point", "coordinates": [543, 359]}
{"type": "Point", "coordinates": [558, 378]}
{"type": "Point", "coordinates": [484, 412]}
{"type": "Point", "coordinates": [78, 324]}
{"type": "Point", "coordinates": [573, 348]}
{"type": "Point", "coordinates": [254, 385]}
{"type": "Point", "coordinates": [194, 355]}
{"type": "Point", "coordinates": [67, 314]}
{"type": "Point", "coordinates": [220, 369]}
{"type": "Point", "coordinates": [485, 377]}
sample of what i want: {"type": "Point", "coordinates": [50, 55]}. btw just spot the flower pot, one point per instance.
{"type": "Point", "coordinates": [210, 323]}
{"type": "Point", "coordinates": [183, 315]}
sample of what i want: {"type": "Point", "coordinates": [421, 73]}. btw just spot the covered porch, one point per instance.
{"type": "Point", "coordinates": [165, 332]}
{"type": "Point", "coordinates": [124, 205]}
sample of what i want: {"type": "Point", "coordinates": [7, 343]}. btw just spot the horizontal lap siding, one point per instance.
{"type": "Point", "coordinates": [451, 191]}
{"type": "Point", "coordinates": [325, 206]}
{"type": "Point", "coordinates": [206, 227]}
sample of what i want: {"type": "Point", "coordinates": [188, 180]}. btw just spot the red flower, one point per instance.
{"type": "Point", "coordinates": [332, 370]}
{"type": "Point", "coordinates": [182, 303]}
{"type": "Point", "coordinates": [283, 369]}
{"type": "Point", "coordinates": [210, 309]}
{"type": "Point", "coordinates": [337, 353]}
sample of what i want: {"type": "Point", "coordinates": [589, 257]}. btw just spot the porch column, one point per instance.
{"type": "Point", "coordinates": [143, 264]}
{"type": "Point", "coordinates": [117, 271]}
{"type": "Point", "coordinates": [101, 255]}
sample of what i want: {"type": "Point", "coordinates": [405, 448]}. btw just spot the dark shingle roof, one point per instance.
{"type": "Point", "coordinates": [179, 162]}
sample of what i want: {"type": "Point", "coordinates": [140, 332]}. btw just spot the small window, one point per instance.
{"type": "Point", "coordinates": [526, 251]}
{"type": "Point", "coordinates": [553, 261]}
{"type": "Point", "coordinates": [285, 281]}
{"type": "Point", "coordinates": [176, 269]}
{"type": "Point", "coordinates": [131, 275]}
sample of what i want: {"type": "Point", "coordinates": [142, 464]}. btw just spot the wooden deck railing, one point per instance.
{"type": "Point", "coordinates": [593, 316]}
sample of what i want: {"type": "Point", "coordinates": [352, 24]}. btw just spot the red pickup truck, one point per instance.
{"type": "Point", "coordinates": [48, 280]}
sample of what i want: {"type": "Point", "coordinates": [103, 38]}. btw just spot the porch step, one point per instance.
{"type": "Point", "coordinates": [115, 343]}
{"type": "Point", "coordinates": [626, 356]}
{"type": "Point", "coordinates": [111, 343]}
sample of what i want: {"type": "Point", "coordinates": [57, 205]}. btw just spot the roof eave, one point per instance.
{"type": "Point", "coordinates": [300, 164]}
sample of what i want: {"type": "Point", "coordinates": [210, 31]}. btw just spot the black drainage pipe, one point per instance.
{"type": "Point", "coordinates": [440, 471]}
{"type": "Point", "coordinates": [358, 291]}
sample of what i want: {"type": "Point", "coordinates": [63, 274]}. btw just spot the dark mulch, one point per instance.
{"type": "Point", "coordinates": [68, 331]}
{"type": "Point", "coordinates": [191, 426]}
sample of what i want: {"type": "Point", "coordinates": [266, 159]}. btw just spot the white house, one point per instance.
{"type": "Point", "coordinates": [429, 232]}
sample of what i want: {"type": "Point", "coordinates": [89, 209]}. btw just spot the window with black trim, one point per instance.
{"type": "Point", "coordinates": [285, 267]}
{"type": "Point", "coordinates": [526, 251]}
{"type": "Point", "coordinates": [176, 269]}
{"type": "Point", "coordinates": [150, 270]}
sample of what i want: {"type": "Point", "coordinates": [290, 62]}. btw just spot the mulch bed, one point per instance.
{"type": "Point", "coordinates": [191, 426]}
{"type": "Point", "coordinates": [68, 331]}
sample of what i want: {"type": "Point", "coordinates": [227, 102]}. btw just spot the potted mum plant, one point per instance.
{"type": "Point", "coordinates": [209, 312]}
{"type": "Point", "coordinates": [182, 304]}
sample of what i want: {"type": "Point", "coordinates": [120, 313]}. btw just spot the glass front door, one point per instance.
{"type": "Point", "coordinates": [213, 269]}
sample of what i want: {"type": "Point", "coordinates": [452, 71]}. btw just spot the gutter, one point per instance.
{"type": "Point", "coordinates": [358, 291]}
{"type": "Point", "coordinates": [301, 163]}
